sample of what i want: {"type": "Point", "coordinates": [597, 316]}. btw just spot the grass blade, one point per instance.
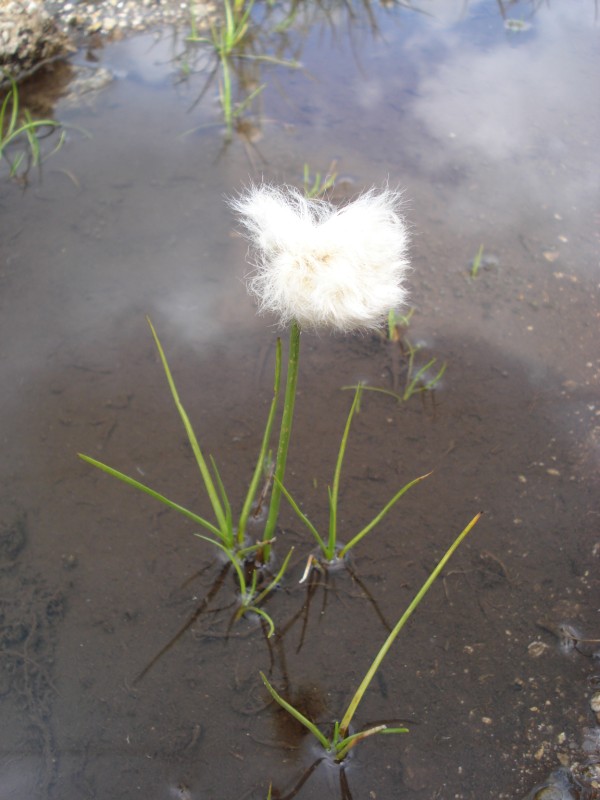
{"type": "Point", "coordinates": [381, 514]}
{"type": "Point", "coordinates": [261, 613]}
{"type": "Point", "coordinates": [147, 490]}
{"type": "Point", "coordinates": [410, 389]}
{"type": "Point", "coordinates": [273, 583]}
{"type": "Point", "coordinates": [252, 489]}
{"type": "Point", "coordinates": [347, 719]}
{"type": "Point", "coordinates": [234, 560]}
{"type": "Point", "coordinates": [225, 501]}
{"type": "Point", "coordinates": [284, 432]}
{"type": "Point", "coordinates": [302, 516]}
{"type": "Point", "coordinates": [208, 482]}
{"type": "Point", "coordinates": [333, 497]}
{"type": "Point", "coordinates": [433, 382]}
{"type": "Point", "coordinates": [296, 714]}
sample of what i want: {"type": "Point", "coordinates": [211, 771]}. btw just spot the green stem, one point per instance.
{"type": "Point", "coordinates": [284, 434]}
{"type": "Point", "coordinates": [260, 464]}
{"type": "Point", "coordinates": [333, 497]}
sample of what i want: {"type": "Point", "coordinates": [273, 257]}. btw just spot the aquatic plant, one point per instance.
{"type": "Point", "coordinates": [318, 266]}
{"type": "Point", "coordinates": [330, 548]}
{"type": "Point", "coordinates": [402, 362]}
{"type": "Point", "coordinates": [226, 534]}
{"type": "Point", "coordinates": [476, 263]}
{"type": "Point", "coordinates": [232, 111]}
{"type": "Point", "coordinates": [339, 743]}
{"type": "Point", "coordinates": [230, 39]}
{"type": "Point", "coordinates": [227, 34]}
{"type": "Point", "coordinates": [305, 242]}
{"type": "Point", "coordinates": [397, 322]}
{"type": "Point", "coordinates": [18, 125]}
{"type": "Point", "coordinates": [318, 185]}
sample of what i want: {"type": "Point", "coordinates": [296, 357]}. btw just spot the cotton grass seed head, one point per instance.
{"type": "Point", "coordinates": [324, 266]}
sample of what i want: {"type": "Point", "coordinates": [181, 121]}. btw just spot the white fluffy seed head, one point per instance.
{"type": "Point", "coordinates": [324, 266]}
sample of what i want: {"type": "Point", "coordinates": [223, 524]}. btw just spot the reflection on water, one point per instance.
{"type": "Point", "coordinates": [491, 132]}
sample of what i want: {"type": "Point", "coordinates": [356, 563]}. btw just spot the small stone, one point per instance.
{"type": "Point", "coordinates": [551, 255]}
{"type": "Point", "coordinates": [537, 649]}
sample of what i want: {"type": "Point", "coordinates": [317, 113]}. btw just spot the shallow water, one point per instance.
{"type": "Point", "coordinates": [492, 134]}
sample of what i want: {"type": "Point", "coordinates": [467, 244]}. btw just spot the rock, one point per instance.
{"type": "Point", "coordinates": [29, 37]}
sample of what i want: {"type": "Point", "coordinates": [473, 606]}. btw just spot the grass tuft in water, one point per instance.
{"type": "Point", "coordinates": [232, 40]}
{"type": "Point", "coordinates": [318, 185]}
{"type": "Point", "coordinates": [339, 743]}
{"type": "Point", "coordinates": [226, 534]}
{"type": "Point", "coordinates": [403, 369]}
{"type": "Point", "coordinates": [331, 551]}
{"type": "Point", "coordinates": [17, 126]}
{"type": "Point", "coordinates": [230, 32]}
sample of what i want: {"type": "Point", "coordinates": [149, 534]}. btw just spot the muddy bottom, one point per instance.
{"type": "Point", "coordinates": [122, 671]}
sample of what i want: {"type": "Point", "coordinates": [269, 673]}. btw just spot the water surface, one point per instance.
{"type": "Point", "coordinates": [492, 134]}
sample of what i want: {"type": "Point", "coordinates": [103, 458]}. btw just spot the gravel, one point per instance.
{"type": "Point", "coordinates": [114, 18]}
{"type": "Point", "coordinates": [34, 32]}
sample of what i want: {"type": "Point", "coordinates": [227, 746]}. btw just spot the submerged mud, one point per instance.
{"type": "Point", "coordinates": [122, 674]}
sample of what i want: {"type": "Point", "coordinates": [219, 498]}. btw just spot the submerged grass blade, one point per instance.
{"type": "Point", "coordinates": [351, 710]}
{"type": "Point", "coordinates": [412, 386]}
{"type": "Point", "coordinates": [261, 613]}
{"type": "Point", "coordinates": [156, 495]}
{"type": "Point", "coordinates": [381, 514]}
{"type": "Point", "coordinates": [379, 389]}
{"type": "Point", "coordinates": [435, 380]}
{"type": "Point", "coordinates": [296, 714]}
{"type": "Point", "coordinates": [204, 471]}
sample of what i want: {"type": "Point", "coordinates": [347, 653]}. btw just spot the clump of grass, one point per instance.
{"type": "Point", "coordinates": [231, 38]}
{"type": "Point", "coordinates": [230, 32]}
{"type": "Point", "coordinates": [340, 742]}
{"type": "Point", "coordinates": [18, 126]}
{"type": "Point", "coordinates": [476, 263]}
{"type": "Point", "coordinates": [416, 380]}
{"type": "Point", "coordinates": [397, 323]}
{"type": "Point", "coordinates": [317, 185]}
{"type": "Point", "coordinates": [403, 366]}
{"type": "Point", "coordinates": [225, 533]}
{"type": "Point", "coordinates": [331, 550]}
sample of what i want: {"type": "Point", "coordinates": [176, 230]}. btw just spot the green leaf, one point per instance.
{"type": "Point", "coordinates": [147, 490]}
